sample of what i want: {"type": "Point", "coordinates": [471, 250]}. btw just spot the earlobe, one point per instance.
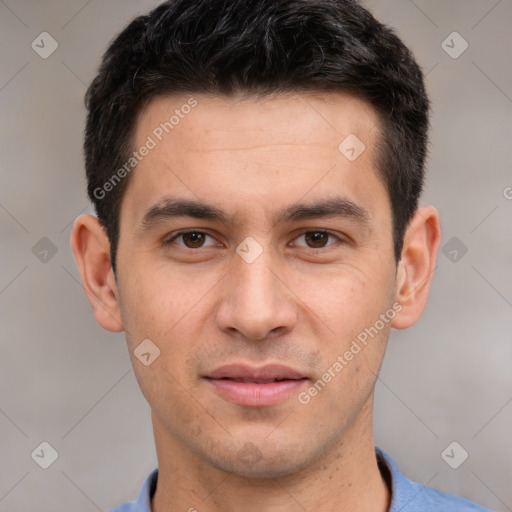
{"type": "Point", "coordinates": [91, 248]}
{"type": "Point", "coordinates": [416, 267]}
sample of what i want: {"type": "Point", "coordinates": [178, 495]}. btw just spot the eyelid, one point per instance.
{"type": "Point", "coordinates": [320, 230]}
{"type": "Point", "coordinates": [173, 237]}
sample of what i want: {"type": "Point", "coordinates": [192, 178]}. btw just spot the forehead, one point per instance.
{"type": "Point", "coordinates": [247, 153]}
{"type": "Point", "coordinates": [220, 121]}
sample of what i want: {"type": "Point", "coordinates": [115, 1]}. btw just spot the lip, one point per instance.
{"type": "Point", "coordinates": [255, 394]}
{"type": "Point", "coordinates": [266, 372]}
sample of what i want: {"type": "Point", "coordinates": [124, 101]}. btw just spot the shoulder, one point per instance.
{"type": "Point", "coordinates": [410, 496]}
{"type": "Point", "coordinates": [426, 499]}
{"type": "Point", "coordinates": [143, 501]}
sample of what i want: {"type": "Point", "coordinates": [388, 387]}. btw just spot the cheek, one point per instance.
{"type": "Point", "coordinates": [350, 305]}
{"type": "Point", "coordinates": [156, 309]}
{"type": "Point", "coordinates": [163, 308]}
{"type": "Point", "coordinates": [154, 304]}
{"type": "Point", "coordinates": [347, 299]}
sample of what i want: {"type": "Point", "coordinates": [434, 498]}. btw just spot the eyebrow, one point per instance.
{"type": "Point", "coordinates": [169, 208]}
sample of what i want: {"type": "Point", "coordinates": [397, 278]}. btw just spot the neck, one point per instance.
{"type": "Point", "coordinates": [346, 478]}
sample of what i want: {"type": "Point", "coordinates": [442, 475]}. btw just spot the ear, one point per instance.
{"type": "Point", "coordinates": [91, 248]}
{"type": "Point", "coordinates": [416, 266]}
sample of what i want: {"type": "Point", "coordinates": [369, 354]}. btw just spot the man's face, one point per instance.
{"type": "Point", "coordinates": [290, 296]}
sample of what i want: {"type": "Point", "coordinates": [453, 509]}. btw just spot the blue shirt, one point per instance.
{"type": "Point", "coordinates": [406, 495]}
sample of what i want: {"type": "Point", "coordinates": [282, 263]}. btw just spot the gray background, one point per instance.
{"type": "Point", "coordinates": [70, 383]}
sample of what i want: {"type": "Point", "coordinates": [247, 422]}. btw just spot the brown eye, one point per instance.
{"type": "Point", "coordinates": [316, 239]}
{"type": "Point", "coordinates": [191, 239]}
{"type": "Point", "coordinates": [194, 239]}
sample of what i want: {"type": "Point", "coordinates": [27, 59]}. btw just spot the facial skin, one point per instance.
{"type": "Point", "coordinates": [301, 306]}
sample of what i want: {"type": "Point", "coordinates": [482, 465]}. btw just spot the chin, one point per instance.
{"type": "Point", "coordinates": [273, 462]}
{"type": "Point", "coordinates": [260, 470]}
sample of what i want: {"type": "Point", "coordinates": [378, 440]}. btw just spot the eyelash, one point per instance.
{"type": "Point", "coordinates": [171, 240]}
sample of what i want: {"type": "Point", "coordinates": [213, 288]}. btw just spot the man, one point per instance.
{"type": "Point", "coordinates": [256, 169]}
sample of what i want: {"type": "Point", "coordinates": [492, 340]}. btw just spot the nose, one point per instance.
{"type": "Point", "coordinates": [256, 302]}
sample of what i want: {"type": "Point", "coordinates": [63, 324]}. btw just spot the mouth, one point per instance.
{"type": "Point", "coordinates": [257, 381]}
{"type": "Point", "coordinates": [255, 386]}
